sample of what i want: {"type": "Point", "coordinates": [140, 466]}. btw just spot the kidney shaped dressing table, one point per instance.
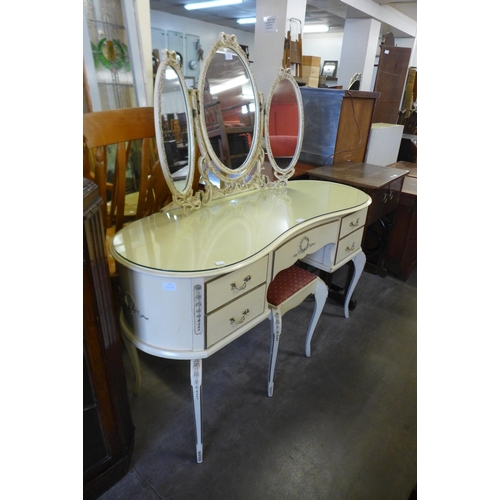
{"type": "Point", "coordinates": [194, 277]}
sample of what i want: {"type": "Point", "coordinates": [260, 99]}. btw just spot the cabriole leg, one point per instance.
{"type": "Point", "coordinates": [320, 296]}
{"type": "Point", "coordinates": [359, 264]}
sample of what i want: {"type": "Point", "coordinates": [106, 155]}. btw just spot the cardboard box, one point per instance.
{"type": "Point", "coordinates": [308, 71]}
{"type": "Point", "coordinates": [314, 61]}
{"type": "Point", "coordinates": [311, 66]}
{"type": "Point", "coordinates": [312, 81]}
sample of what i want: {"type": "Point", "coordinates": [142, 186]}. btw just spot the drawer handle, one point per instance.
{"type": "Point", "coordinates": [239, 321]}
{"type": "Point", "coordinates": [354, 224]}
{"type": "Point", "coordinates": [304, 245]}
{"type": "Point", "coordinates": [246, 279]}
{"type": "Point", "coordinates": [388, 196]}
{"type": "Point", "coordinates": [349, 249]}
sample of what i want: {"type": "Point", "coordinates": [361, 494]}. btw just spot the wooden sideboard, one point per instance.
{"type": "Point", "coordinates": [108, 431]}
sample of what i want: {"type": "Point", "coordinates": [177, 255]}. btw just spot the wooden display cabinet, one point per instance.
{"type": "Point", "coordinates": [108, 431]}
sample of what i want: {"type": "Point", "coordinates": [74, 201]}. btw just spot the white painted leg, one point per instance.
{"type": "Point", "coordinates": [359, 264]}
{"type": "Point", "coordinates": [275, 340]}
{"type": "Point", "coordinates": [197, 404]}
{"type": "Point", "coordinates": [136, 365]}
{"type": "Point", "coordinates": [320, 296]}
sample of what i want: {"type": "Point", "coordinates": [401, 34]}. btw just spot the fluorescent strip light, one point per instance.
{"type": "Point", "coordinates": [207, 5]}
{"type": "Point", "coordinates": [230, 84]}
{"type": "Point", "coordinates": [316, 28]}
{"type": "Point", "coordinates": [248, 20]}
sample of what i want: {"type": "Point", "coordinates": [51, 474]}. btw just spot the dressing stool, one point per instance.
{"type": "Point", "coordinates": [289, 289]}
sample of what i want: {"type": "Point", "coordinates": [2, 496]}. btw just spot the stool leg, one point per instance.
{"type": "Point", "coordinates": [320, 296]}
{"type": "Point", "coordinates": [196, 376]}
{"type": "Point", "coordinates": [275, 340]}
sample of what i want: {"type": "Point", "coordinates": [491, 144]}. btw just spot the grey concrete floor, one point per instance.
{"type": "Point", "coordinates": [341, 425]}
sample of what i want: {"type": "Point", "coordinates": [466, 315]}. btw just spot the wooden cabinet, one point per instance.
{"type": "Point", "coordinates": [401, 256]}
{"type": "Point", "coordinates": [383, 185]}
{"type": "Point", "coordinates": [108, 432]}
{"type": "Point", "coordinates": [337, 125]}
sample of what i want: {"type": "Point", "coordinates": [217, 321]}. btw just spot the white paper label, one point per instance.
{"type": "Point", "coordinates": [169, 286]}
{"type": "Point", "coordinates": [271, 24]}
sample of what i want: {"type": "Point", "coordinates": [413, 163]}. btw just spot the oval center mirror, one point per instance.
{"type": "Point", "coordinates": [284, 125]}
{"type": "Point", "coordinates": [229, 113]}
{"type": "Point", "coordinates": [174, 127]}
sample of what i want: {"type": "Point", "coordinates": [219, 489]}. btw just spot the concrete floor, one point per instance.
{"type": "Point", "coordinates": [341, 425]}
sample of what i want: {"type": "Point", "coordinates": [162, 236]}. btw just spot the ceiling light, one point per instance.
{"type": "Point", "coordinates": [316, 28]}
{"type": "Point", "coordinates": [229, 84]}
{"type": "Point", "coordinates": [248, 20]}
{"type": "Point", "coordinates": [213, 3]}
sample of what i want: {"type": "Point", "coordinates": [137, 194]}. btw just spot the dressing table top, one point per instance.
{"type": "Point", "coordinates": [230, 231]}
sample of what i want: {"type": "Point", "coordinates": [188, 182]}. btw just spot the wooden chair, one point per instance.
{"type": "Point", "coordinates": [288, 289]}
{"type": "Point", "coordinates": [217, 131]}
{"type": "Point", "coordinates": [122, 127]}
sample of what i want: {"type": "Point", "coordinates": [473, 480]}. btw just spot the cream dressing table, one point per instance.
{"type": "Point", "coordinates": [194, 277]}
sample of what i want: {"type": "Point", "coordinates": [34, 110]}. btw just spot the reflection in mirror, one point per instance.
{"type": "Point", "coordinates": [284, 125]}
{"type": "Point", "coordinates": [173, 116]}
{"type": "Point", "coordinates": [229, 108]}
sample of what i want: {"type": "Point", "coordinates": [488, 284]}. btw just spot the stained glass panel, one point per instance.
{"type": "Point", "coordinates": [108, 39]}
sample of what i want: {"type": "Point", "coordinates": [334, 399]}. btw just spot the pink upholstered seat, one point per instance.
{"type": "Point", "coordinates": [288, 282]}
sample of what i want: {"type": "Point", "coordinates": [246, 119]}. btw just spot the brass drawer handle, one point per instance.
{"type": "Point", "coordinates": [349, 249]}
{"type": "Point", "coordinates": [354, 224]}
{"type": "Point", "coordinates": [239, 321]}
{"type": "Point", "coordinates": [246, 279]}
{"type": "Point", "coordinates": [388, 196]}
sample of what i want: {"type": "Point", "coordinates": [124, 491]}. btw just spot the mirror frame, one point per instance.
{"type": "Point", "coordinates": [282, 175]}
{"type": "Point", "coordinates": [246, 174]}
{"type": "Point", "coordinates": [182, 197]}
{"type": "Point", "coordinates": [201, 154]}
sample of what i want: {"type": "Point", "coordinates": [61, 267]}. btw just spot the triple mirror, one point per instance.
{"type": "Point", "coordinates": [223, 128]}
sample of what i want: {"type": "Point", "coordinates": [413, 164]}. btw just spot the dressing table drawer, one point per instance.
{"type": "Point", "coordinates": [234, 315]}
{"type": "Point", "coordinates": [308, 242]}
{"type": "Point", "coordinates": [352, 222]}
{"type": "Point", "coordinates": [235, 284]}
{"type": "Point", "coordinates": [349, 245]}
